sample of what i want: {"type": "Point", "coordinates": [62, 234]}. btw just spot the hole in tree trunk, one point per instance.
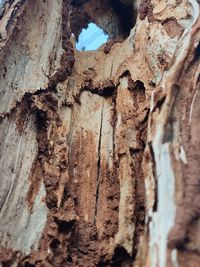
{"type": "Point", "coordinates": [91, 38]}
{"type": "Point", "coordinates": [115, 19]}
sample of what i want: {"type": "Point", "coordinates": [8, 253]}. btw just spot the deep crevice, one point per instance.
{"type": "Point", "coordinates": [98, 164]}
{"type": "Point", "coordinates": [120, 255]}
{"type": "Point", "coordinates": [155, 206]}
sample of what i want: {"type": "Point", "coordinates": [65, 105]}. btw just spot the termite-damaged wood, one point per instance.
{"type": "Point", "coordinates": [99, 149]}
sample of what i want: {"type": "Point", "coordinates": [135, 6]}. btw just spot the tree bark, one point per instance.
{"type": "Point", "coordinates": [100, 149]}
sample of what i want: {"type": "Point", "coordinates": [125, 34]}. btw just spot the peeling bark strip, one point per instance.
{"type": "Point", "coordinates": [99, 150]}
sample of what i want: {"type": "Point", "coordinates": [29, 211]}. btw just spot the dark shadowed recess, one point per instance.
{"type": "Point", "coordinates": [115, 17]}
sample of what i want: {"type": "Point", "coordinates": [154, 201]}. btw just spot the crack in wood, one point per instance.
{"type": "Point", "coordinates": [99, 164]}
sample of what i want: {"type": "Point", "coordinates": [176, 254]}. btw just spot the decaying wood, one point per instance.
{"type": "Point", "coordinates": [100, 149]}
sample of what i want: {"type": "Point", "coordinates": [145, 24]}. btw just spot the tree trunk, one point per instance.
{"type": "Point", "coordinates": [100, 149]}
